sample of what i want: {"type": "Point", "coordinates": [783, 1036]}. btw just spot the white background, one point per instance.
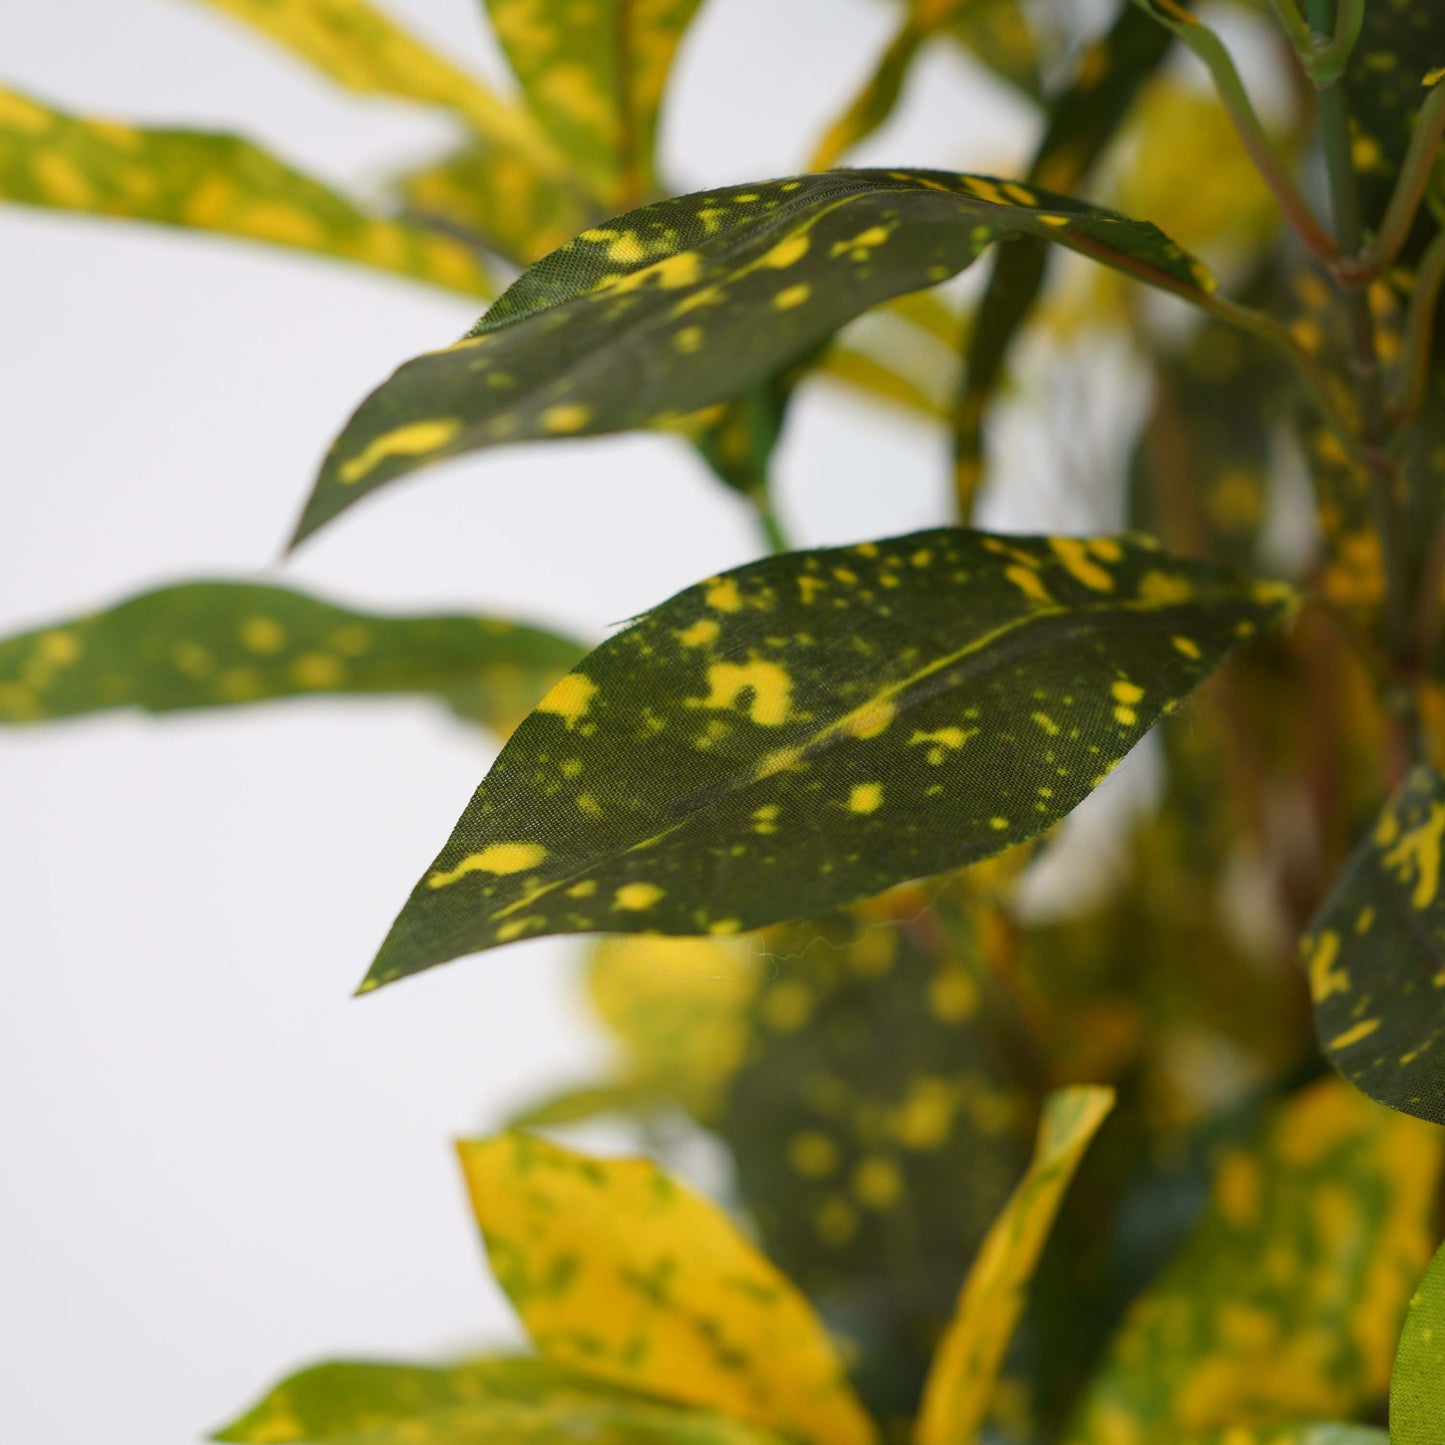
{"type": "Point", "coordinates": [214, 1164]}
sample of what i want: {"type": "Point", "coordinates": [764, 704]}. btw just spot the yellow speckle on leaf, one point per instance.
{"type": "Point", "coordinates": [561, 420]}
{"type": "Point", "coordinates": [1418, 852]}
{"type": "Point", "coordinates": [413, 440]}
{"type": "Point", "coordinates": [703, 631]}
{"type": "Point", "coordinates": [723, 595]}
{"type": "Point", "coordinates": [318, 670]}
{"type": "Point", "coordinates": [1127, 692]}
{"type": "Point", "coordinates": [768, 684]}
{"type": "Point", "coordinates": [877, 1182]}
{"type": "Point", "coordinates": [262, 634]}
{"type": "Point", "coordinates": [688, 340]}
{"type": "Point", "coordinates": [1187, 646]}
{"type": "Point", "coordinates": [786, 1007]}
{"type": "Point", "coordinates": [570, 698]}
{"type": "Point", "coordinates": [787, 252]}
{"type": "Point", "coordinates": [1325, 979]}
{"type": "Point", "coordinates": [793, 296]}
{"type": "Point", "coordinates": [634, 897]}
{"type": "Point", "coordinates": [498, 858]}
{"type": "Point", "coordinates": [865, 798]}
{"type": "Point", "coordinates": [1074, 554]}
{"type": "Point", "coordinates": [1355, 1035]}
{"type": "Point", "coordinates": [1027, 581]}
{"type": "Point", "coordinates": [813, 1155]}
{"type": "Point", "coordinates": [873, 718]}
{"type": "Point", "coordinates": [1159, 589]}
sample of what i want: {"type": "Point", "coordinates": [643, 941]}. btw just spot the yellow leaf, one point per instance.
{"type": "Point", "coordinates": [961, 1383]}
{"type": "Point", "coordinates": [619, 1272]}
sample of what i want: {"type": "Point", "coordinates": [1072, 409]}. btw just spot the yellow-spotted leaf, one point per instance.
{"type": "Point", "coordinates": [623, 1274]}
{"type": "Point", "coordinates": [881, 1114]}
{"type": "Point", "coordinates": [493, 196]}
{"type": "Point", "coordinates": [1287, 1301]}
{"type": "Point", "coordinates": [209, 182]}
{"type": "Point", "coordinates": [1417, 1386]}
{"type": "Point", "coordinates": [813, 728]}
{"type": "Point", "coordinates": [1375, 956]}
{"type": "Point", "coordinates": [487, 1402]}
{"type": "Point", "coordinates": [961, 1384]}
{"type": "Point", "coordinates": [594, 76]}
{"type": "Point", "coordinates": [687, 303]}
{"type": "Point", "coordinates": [364, 49]}
{"type": "Point", "coordinates": [216, 644]}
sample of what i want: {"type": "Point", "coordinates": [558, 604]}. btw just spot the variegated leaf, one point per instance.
{"type": "Point", "coordinates": [1417, 1385]}
{"type": "Point", "coordinates": [879, 1114]}
{"type": "Point", "coordinates": [487, 1402]}
{"type": "Point", "coordinates": [1287, 1301]}
{"type": "Point", "coordinates": [211, 183]}
{"type": "Point", "coordinates": [816, 727]}
{"type": "Point", "coordinates": [362, 48]}
{"type": "Point", "coordinates": [623, 1274]}
{"type": "Point", "coordinates": [688, 302]}
{"type": "Point", "coordinates": [1375, 955]}
{"type": "Point", "coordinates": [1294, 1435]}
{"type": "Point", "coordinates": [594, 76]}
{"type": "Point", "coordinates": [964, 1375]}
{"type": "Point", "coordinates": [216, 644]}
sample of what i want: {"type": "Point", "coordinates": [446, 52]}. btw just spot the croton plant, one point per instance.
{"type": "Point", "coordinates": [1163, 1167]}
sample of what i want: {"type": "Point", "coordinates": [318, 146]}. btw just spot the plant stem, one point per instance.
{"type": "Point", "coordinates": [768, 521]}
{"type": "Point", "coordinates": [1409, 191]}
{"type": "Point", "coordinates": [1212, 51]}
{"type": "Point", "coordinates": [1376, 423]}
{"type": "Point", "coordinates": [1419, 336]}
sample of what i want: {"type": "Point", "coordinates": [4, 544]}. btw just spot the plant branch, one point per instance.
{"type": "Point", "coordinates": [1211, 50]}
{"type": "Point", "coordinates": [1409, 191]}
{"type": "Point", "coordinates": [1324, 55]}
{"type": "Point", "coordinates": [1417, 346]}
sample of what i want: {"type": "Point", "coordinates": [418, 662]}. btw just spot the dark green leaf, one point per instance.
{"type": "Point", "coordinates": [880, 1119]}
{"type": "Point", "coordinates": [686, 303]}
{"type": "Point", "coordinates": [1417, 1386]}
{"type": "Point", "coordinates": [816, 727]}
{"type": "Point", "coordinates": [488, 1402]}
{"type": "Point", "coordinates": [215, 644]}
{"type": "Point", "coordinates": [210, 183]}
{"type": "Point", "coordinates": [1376, 956]}
{"type": "Point", "coordinates": [1288, 1299]}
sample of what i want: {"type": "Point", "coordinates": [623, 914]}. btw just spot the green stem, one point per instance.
{"type": "Point", "coordinates": [1419, 336]}
{"type": "Point", "coordinates": [768, 522]}
{"type": "Point", "coordinates": [1211, 50]}
{"type": "Point", "coordinates": [1323, 56]}
{"type": "Point", "coordinates": [1409, 191]}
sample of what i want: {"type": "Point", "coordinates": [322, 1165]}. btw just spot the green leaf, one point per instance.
{"type": "Point", "coordinates": [1375, 954]}
{"type": "Point", "coordinates": [1287, 1300]}
{"type": "Point", "coordinates": [490, 194]}
{"type": "Point", "coordinates": [347, 1397]}
{"type": "Point", "coordinates": [688, 302]}
{"type": "Point", "coordinates": [365, 50]}
{"type": "Point", "coordinates": [964, 1377]}
{"type": "Point", "coordinates": [880, 1117]}
{"type": "Point", "coordinates": [594, 76]}
{"type": "Point", "coordinates": [210, 183]}
{"type": "Point", "coordinates": [487, 1402]}
{"type": "Point", "coordinates": [816, 727]}
{"type": "Point", "coordinates": [216, 644]}
{"type": "Point", "coordinates": [1082, 121]}
{"type": "Point", "coordinates": [618, 1271]}
{"type": "Point", "coordinates": [1417, 1385]}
